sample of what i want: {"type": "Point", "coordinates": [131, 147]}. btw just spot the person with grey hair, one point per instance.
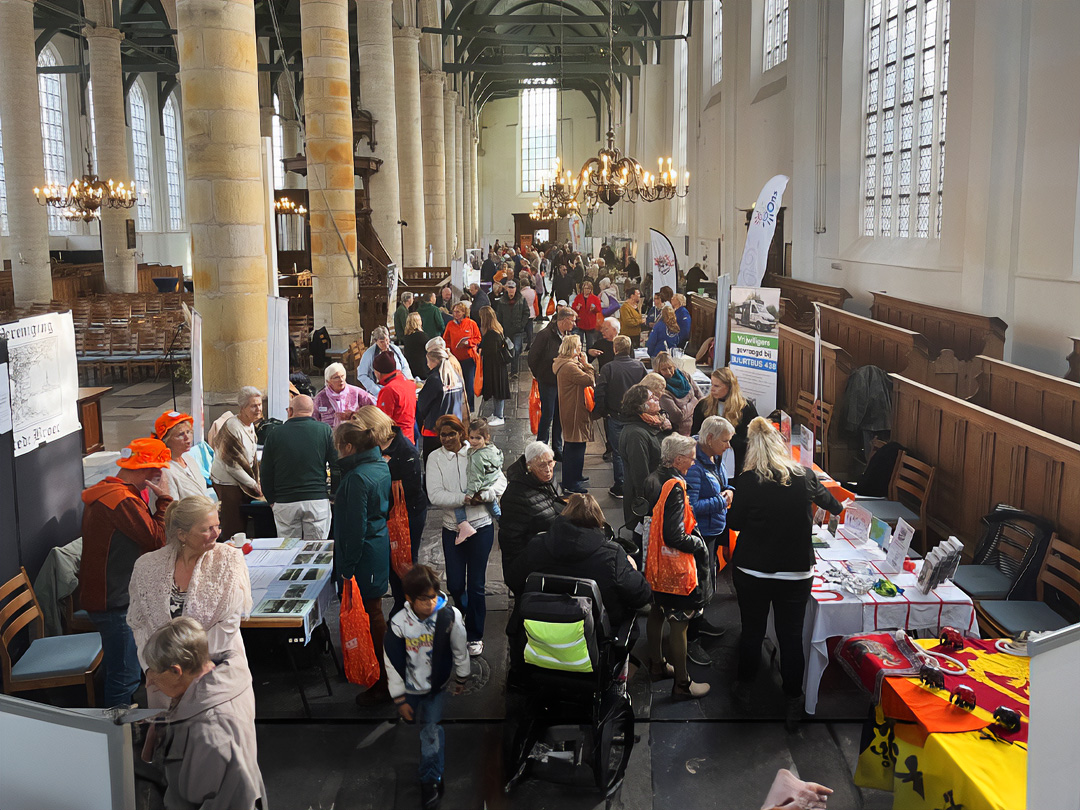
{"type": "Point", "coordinates": [614, 380]}
{"type": "Point", "coordinates": [235, 471]}
{"type": "Point", "coordinates": [401, 314]}
{"type": "Point", "coordinates": [380, 342]}
{"type": "Point", "coordinates": [603, 349]}
{"type": "Point", "coordinates": [338, 401]}
{"type": "Point", "coordinates": [644, 428]}
{"type": "Point", "coordinates": [673, 526]}
{"type": "Point", "coordinates": [207, 738]}
{"type": "Point", "coordinates": [531, 500]}
{"type": "Point", "coordinates": [710, 496]}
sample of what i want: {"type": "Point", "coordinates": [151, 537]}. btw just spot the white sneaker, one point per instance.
{"type": "Point", "coordinates": [495, 421]}
{"type": "Point", "coordinates": [475, 648]}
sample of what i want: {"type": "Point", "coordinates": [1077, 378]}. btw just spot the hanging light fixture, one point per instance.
{"type": "Point", "coordinates": [83, 199]}
{"type": "Point", "coordinates": [283, 205]}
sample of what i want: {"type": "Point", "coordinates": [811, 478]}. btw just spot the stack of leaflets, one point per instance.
{"type": "Point", "coordinates": [940, 564]}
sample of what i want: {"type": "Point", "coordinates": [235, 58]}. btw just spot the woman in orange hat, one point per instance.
{"type": "Point", "coordinates": [183, 474]}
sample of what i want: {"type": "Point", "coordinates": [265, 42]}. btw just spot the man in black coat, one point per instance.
{"type": "Point", "coordinates": [541, 357]}
{"type": "Point", "coordinates": [615, 379]}
{"type": "Point", "coordinates": [513, 315]}
{"type": "Point", "coordinates": [488, 269]}
{"type": "Point", "coordinates": [480, 299]}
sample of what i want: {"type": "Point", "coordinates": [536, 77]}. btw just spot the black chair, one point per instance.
{"type": "Point", "coordinates": [1007, 561]}
{"type": "Point", "coordinates": [569, 719]}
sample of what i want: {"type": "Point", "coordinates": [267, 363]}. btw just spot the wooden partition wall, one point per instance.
{"type": "Point", "coordinates": [702, 319]}
{"type": "Point", "coordinates": [800, 296]}
{"type": "Point", "coordinates": [983, 459]}
{"type": "Point", "coordinates": [1036, 399]}
{"type": "Point", "coordinates": [966, 334]}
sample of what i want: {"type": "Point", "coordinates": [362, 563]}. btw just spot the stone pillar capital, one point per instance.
{"type": "Point", "coordinates": [102, 32]}
{"type": "Point", "coordinates": [407, 33]}
{"type": "Point", "coordinates": [433, 76]}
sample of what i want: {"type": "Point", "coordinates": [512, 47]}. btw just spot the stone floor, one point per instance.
{"type": "Point", "coordinates": [692, 755]}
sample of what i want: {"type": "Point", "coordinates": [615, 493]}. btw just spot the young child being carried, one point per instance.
{"type": "Point", "coordinates": [482, 472]}
{"type": "Point", "coordinates": [425, 652]}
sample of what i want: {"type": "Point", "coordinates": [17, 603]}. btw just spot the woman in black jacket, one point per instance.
{"type": "Point", "coordinates": [530, 503]}
{"type": "Point", "coordinates": [726, 399]}
{"type": "Point", "coordinates": [415, 346]}
{"type": "Point", "coordinates": [576, 545]}
{"type": "Point", "coordinates": [403, 459]}
{"type": "Point", "coordinates": [774, 557]}
{"type": "Point", "coordinates": [495, 359]}
{"type": "Point", "coordinates": [639, 445]}
{"type": "Point", "coordinates": [677, 455]}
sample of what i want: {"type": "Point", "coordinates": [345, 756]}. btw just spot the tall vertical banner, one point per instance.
{"type": "Point", "coordinates": [277, 361]}
{"type": "Point", "coordinates": [760, 233]}
{"type": "Point", "coordinates": [577, 232]}
{"type": "Point", "coordinates": [720, 338]}
{"type": "Point", "coordinates": [198, 415]}
{"type": "Point", "coordinates": [665, 266]}
{"type": "Point", "coordinates": [754, 317]}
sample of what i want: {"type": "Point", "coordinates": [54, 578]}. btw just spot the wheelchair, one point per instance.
{"type": "Point", "coordinates": [569, 717]}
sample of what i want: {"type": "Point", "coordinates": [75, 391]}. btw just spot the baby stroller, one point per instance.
{"type": "Point", "coordinates": [569, 718]}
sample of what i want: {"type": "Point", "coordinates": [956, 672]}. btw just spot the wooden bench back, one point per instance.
{"type": "Point", "coordinates": [1040, 400]}
{"type": "Point", "coordinates": [802, 295]}
{"type": "Point", "coordinates": [966, 334]}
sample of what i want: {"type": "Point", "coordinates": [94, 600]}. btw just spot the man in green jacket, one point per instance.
{"type": "Point", "coordinates": [431, 317]}
{"type": "Point", "coordinates": [293, 472]}
{"type": "Point", "coordinates": [400, 314]}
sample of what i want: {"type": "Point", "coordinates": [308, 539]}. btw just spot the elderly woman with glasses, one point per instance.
{"type": "Point", "coordinates": [235, 472]}
{"type": "Point", "coordinates": [380, 342]}
{"type": "Point", "coordinates": [466, 560]}
{"type": "Point", "coordinates": [680, 395]}
{"type": "Point", "coordinates": [338, 401]}
{"type": "Point", "coordinates": [531, 501]}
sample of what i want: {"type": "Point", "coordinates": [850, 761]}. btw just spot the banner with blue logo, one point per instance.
{"type": "Point", "coordinates": [759, 234]}
{"type": "Point", "coordinates": [754, 317]}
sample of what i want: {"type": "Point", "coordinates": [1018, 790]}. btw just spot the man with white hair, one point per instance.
{"type": "Point", "coordinates": [293, 471]}
{"type": "Point", "coordinates": [380, 342]}
{"type": "Point", "coordinates": [603, 350]}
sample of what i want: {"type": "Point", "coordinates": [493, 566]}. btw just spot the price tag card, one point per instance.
{"type": "Point", "coordinates": [898, 548]}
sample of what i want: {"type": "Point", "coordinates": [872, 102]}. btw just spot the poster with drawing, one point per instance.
{"type": "Point", "coordinates": [43, 379]}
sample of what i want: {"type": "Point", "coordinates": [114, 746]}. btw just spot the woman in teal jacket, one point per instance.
{"type": "Point", "coordinates": [361, 539]}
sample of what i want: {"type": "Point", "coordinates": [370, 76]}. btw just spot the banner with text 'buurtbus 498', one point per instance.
{"type": "Point", "coordinates": [754, 317]}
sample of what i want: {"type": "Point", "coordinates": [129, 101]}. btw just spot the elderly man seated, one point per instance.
{"type": "Point", "coordinates": [366, 374]}
{"type": "Point", "coordinates": [207, 746]}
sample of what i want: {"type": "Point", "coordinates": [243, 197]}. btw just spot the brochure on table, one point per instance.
{"type": "Point", "coordinates": [806, 447]}
{"type": "Point", "coordinates": [898, 548]}
{"type": "Point", "coordinates": [289, 578]}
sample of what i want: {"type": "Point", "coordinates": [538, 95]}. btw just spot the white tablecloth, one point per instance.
{"type": "Point", "coordinates": [827, 616]}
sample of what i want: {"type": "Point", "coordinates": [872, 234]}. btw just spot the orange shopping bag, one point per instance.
{"type": "Point", "coordinates": [590, 398]}
{"type": "Point", "coordinates": [667, 569]}
{"type": "Point", "coordinates": [400, 538]}
{"type": "Point", "coordinates": [551, 305]}
{"type": "Point", "coordinates": [534, 407]}
{"type": "Point", "coordinates": [478, 378]}
{"type": "Point", "coordinates": [357, 648]}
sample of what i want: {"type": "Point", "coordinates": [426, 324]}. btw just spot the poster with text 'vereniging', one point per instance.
{"type": "Point", "coordinates": [43, 379]}
{"type": "Point", "coordinates": [754, 317]}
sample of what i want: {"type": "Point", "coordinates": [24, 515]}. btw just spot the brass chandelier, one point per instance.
{"type": "Point", "coordinates": [284, 205]}
{"type": "Point", "coordinates": [82, 199]}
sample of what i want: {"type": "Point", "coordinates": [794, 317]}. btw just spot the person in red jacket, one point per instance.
{"type": "Point", "coordinates": [397, 397]}
{"type": "Point", "coordinates": [462, 336]}
{"type": "Point", "coordinates": [590, 312]}
{"type": "Point", "coordinates": [118, 528]}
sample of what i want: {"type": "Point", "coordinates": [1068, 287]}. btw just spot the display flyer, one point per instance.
{"type": "Point", "coordinates": [754, 320]}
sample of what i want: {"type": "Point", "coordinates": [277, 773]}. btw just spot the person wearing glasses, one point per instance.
{"type": "Point", "coordinates": [531, 501]}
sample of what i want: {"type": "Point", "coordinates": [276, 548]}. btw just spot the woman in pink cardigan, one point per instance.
{"type": "Point", "coordinates": [338, 401]}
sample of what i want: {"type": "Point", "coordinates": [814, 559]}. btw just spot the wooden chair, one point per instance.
{"type": "Point", "coordinates": [49, 661]}
{"type": "Point", "coordinates": [909, 491]}
{"type": "Point", "coordinates": [818, 416]}
{"type": "Point", "coordinates": [1059, 574]}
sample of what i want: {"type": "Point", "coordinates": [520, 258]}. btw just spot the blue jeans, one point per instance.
{"type": "Point", "coordinates": [468, 370]}
{"type": "Point", "coordinates": [614, 431]}
{"type": "Point", "coordinates": [119, 656]}
{"type": "Point", "coordinates": [549, 417]}
{"type": "Point", "coordinates": [427, 712]}
{"type": "Point", "coordinates": [466, 576]}
{"type": "Point", "coordinates": [573, 464]}
{"type": "Point", "coordinates": [416, 532]}
{"type": "Point", "coordinates": [519, 342]}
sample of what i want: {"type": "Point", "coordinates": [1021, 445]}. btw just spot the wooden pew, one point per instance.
{"type": "Point", "coordinates": [894, 349]}
{"type": "Point", "coordinates": [1040, 400]}
{"type": "Point", "coordinates": [967, 334]}
{"type": "Point", "coordinates": [983, 459]}
{"type": "Point", "coordinates": [702, 319]}
{"type": "Point", "coordinates": [799, 314]}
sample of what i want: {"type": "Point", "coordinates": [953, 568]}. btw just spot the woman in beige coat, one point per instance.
{"type": "Point", "coordinates": [574, 375]}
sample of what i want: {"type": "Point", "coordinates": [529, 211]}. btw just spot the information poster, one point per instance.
{"type": "Point", "coordinates": [43, 377]}
{"type": "Point", "coordinates": [277, 350]}
{"type": "Point", "coordinates": [754, 320]}
{"type": "Point", "coordinates": [197, 413]}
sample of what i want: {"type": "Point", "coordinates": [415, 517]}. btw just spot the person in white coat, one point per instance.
{"type": "Point", "coordinates": [466, 561]}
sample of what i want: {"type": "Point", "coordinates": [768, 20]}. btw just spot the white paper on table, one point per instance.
{"type": "Point", "coordinates": [261, 578]}
{"type": "Point", "coordinates": [270, 543]}
{"type": "Point", "coordinates": [898, 548]}
{"type": "Point", "coordinates": [840, 554]}
{"type": "Point", "coordinates": [270, 558]}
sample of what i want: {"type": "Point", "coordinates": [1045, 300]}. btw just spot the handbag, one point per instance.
{"type": "Point", "coordinates": [534, 407]}
{"type": "Point", "coordinates": [357, 649]}
{"type": "Point", "coordinates": [551, 306]}
{"type": "Point", "coordinates": [397, 523]}
{"type": "Point", "coordinates": [667, 569]}
{"type": "Point", "coordinates": [478, 379]}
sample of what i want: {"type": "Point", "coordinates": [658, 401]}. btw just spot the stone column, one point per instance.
{"type": "Point", "coordinates": [225, 204]}
{"type": "Point", "coordinates": [454, 242]}
{"type": "Point", "coordinates": [473, 205]}
{"type": "Point", "coordinates": [292, 142]}
{"type": "Point", "coordinates": [459, 170]}
{"type": "Point", "coordinates": [375, 51]}
{"type": "Point", "coordinates": [112, 152]}
{"type": "Point", "coordinates": [24, 161]}
{"type": "Point", "coordinates": [324, 34]}
{"type": "Point", "coordinates": [432, 90]}
{"type": "Point", "coordinates": [410, 144]}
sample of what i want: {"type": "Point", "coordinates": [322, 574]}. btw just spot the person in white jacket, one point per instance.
{"type": "Point", "coordinates": [466, 561]}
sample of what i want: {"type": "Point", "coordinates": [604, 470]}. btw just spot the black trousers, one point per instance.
{"type": "Point", "coordinates": [788, 599]}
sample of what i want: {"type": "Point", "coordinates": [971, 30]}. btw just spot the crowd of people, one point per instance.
{"type": "Point", "coordinates": [168, 598]}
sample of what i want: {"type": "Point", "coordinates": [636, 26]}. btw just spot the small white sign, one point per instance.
{"type": "Point", "coordinates": [806, 447]}
{"type": "Point", "coordinates": [898, 548]}
{"type": "Point", "coordinates": [856, 526]}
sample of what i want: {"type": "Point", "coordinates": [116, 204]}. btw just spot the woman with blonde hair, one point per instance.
{"type": "Point", "coordinates": [495, 359]}
{"type": "Point", "coordinates": [726, 399]}
{"type": "Point", "coordinates": [574, 374]}
{"type": "Point", "coordinates": [774, 558]}
{"type": "Point", "coordinates": [193, 575]}
{"type": "Point", "coordinates": [665, 333]}
{"type": "Point", "coordinates": [415, 346]}
{"type": "Point", "coordinates": [680, 396]}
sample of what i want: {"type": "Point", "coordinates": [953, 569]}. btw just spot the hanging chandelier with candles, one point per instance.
{"type": "Point", "coordinates": [284, 205]}
{"type": "Point", "coordinates": [82, 200]}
